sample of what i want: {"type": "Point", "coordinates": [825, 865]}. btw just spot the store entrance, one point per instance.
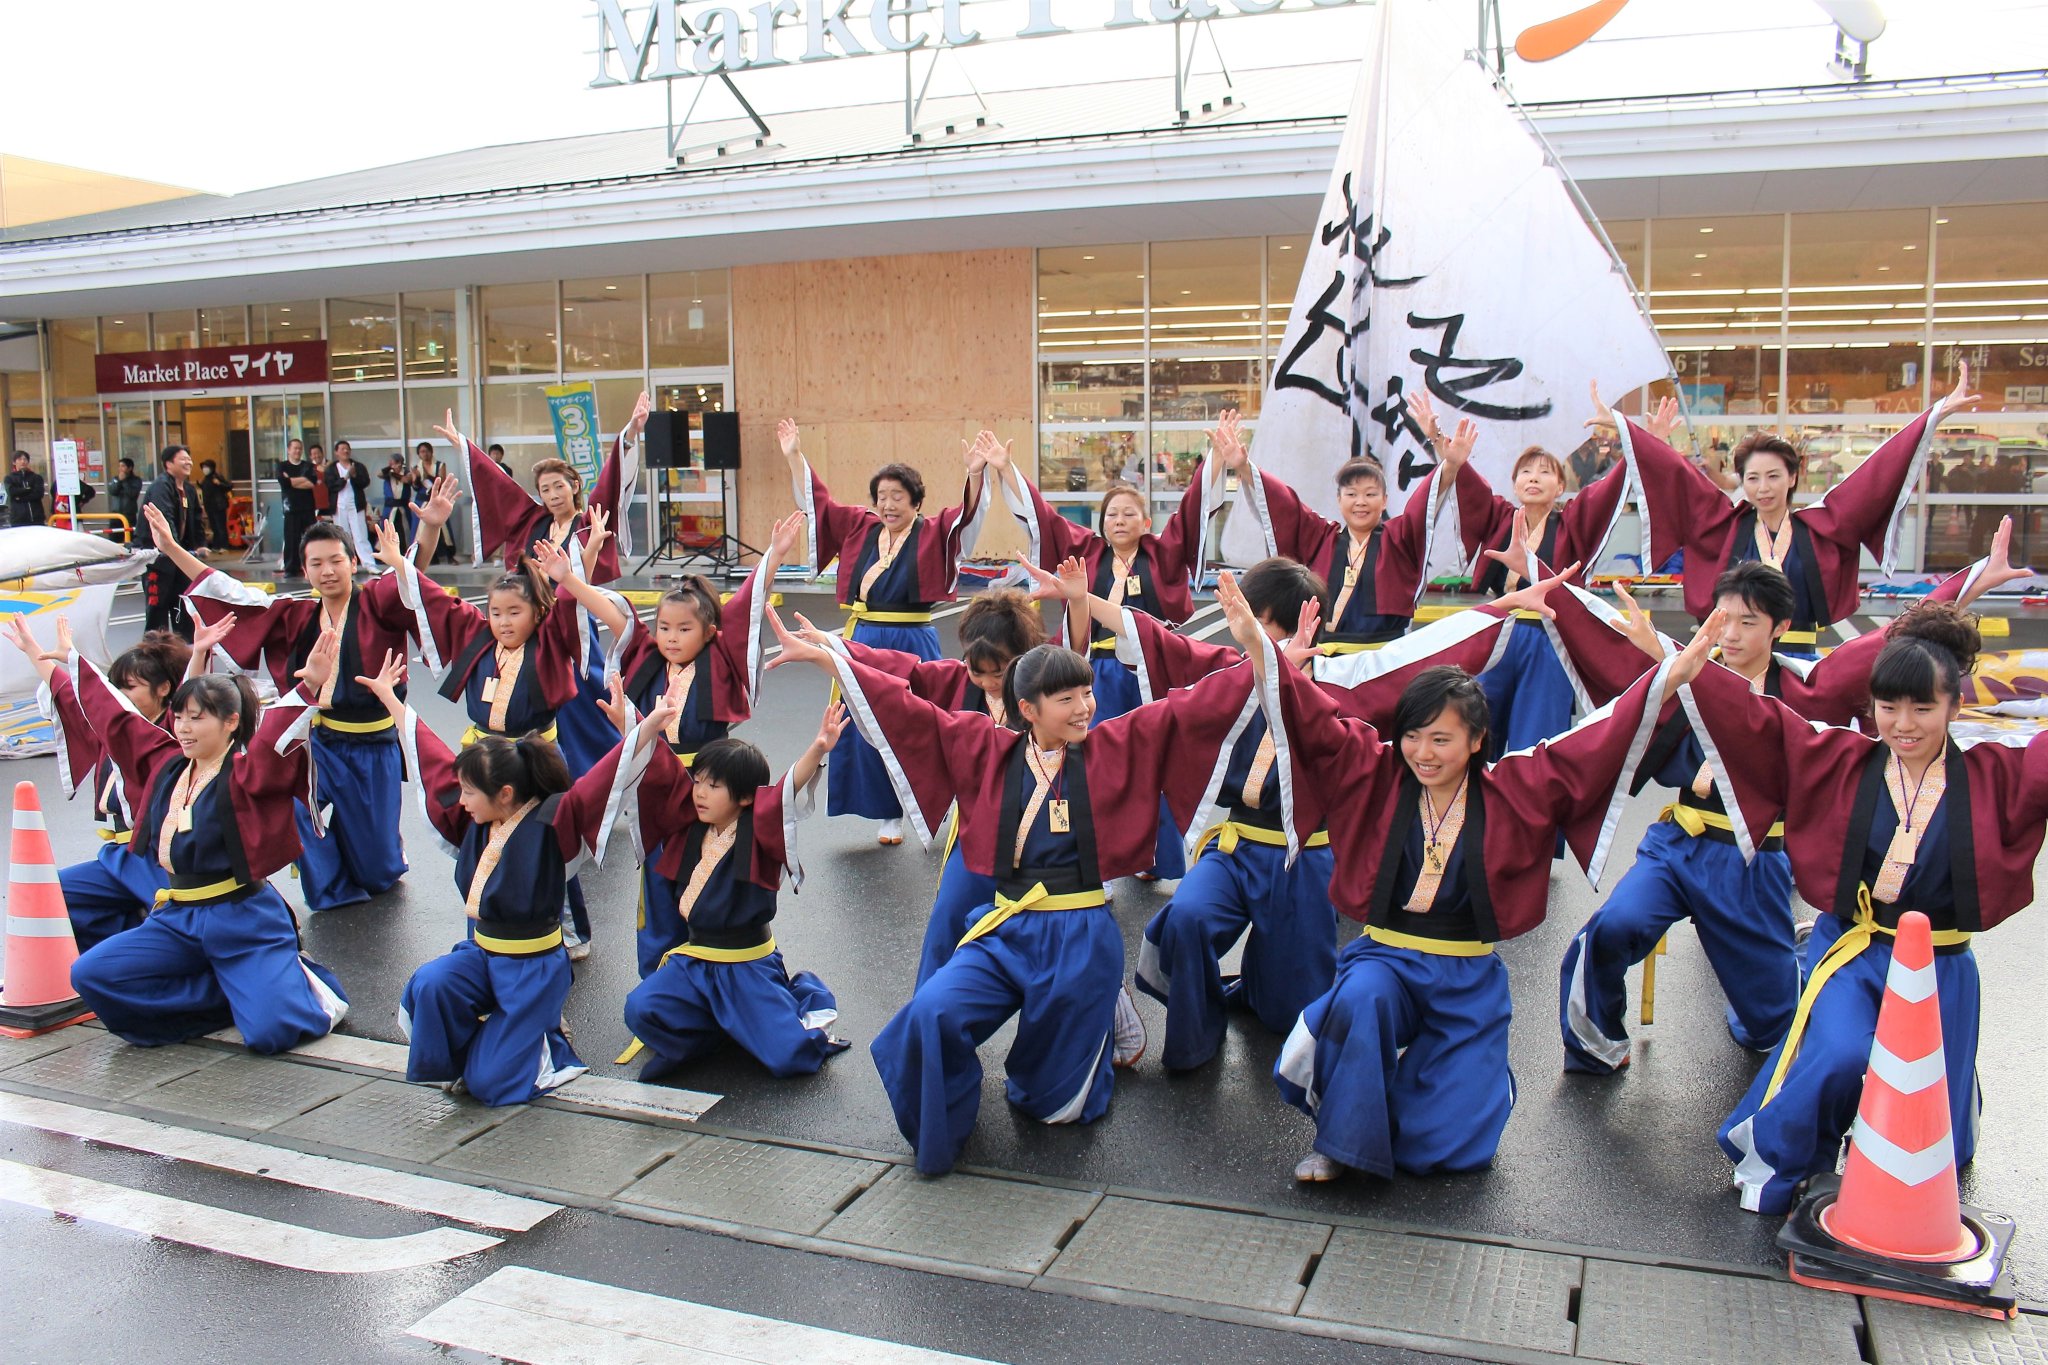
{"type": "Point", "coordinates": [217, 432]}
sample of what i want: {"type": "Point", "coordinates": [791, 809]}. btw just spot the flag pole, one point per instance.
{"type": "Point", "coordinates": [1500, 83]}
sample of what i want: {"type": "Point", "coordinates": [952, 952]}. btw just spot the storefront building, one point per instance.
{"type": "Point", "coordinates": [1083, 271]}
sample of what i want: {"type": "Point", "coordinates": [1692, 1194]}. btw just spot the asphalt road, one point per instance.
{"type": "Point", "coordinates": [1625, 1162]}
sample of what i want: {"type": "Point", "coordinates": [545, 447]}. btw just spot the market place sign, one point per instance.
{"type": "Point", "coordinates": [270, 365]}
{"type": "Point", "coordinates": [662, 42]}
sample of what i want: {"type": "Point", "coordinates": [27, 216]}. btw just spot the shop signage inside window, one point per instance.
{"type": "Point", "coordinates": [662, 42]}
{"type": "Point", "coordinates": [266, 365]}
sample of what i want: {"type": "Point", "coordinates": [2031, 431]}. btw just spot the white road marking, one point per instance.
{"type": "Point", "coordinates": [400, 1189]}
{"type": "Point", "coordinates": [234, 1234]}
{"type": "Point", "coordinates": [526, 1315]}
{"type": "Point", "coordinates": [604, 1093]}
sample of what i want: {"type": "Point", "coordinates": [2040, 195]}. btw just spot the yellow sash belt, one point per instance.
{"type": "Point", "coordinates": [1037, 898]}
{"type": "Point", "coordinates": [1442, 947]}
{"type": "Point", "coordinates": [1351, 647]}
{"type": "Point", "coordinates": [1800, 637]}
{"type": "Point", "coordinates": [477, 732]}
{"type": "Point", "coordinates": [702, 954]}
{"type": "Point", "coordinates": [185, 895]}
{"type": "Point", "coordinates": [1227, 834]}
{"type": "Point", "coordinates": [1696, 822]}
{"type": "Point", "coordinates": [353, 727]}
{"type": "Point", "coordinates": [115, 836]}
{"type": "Point", "coordinates": [520, 947]}
{"type": "Point", "coordinates": [860, 611]}
{"type": "Point", "coordinates": [1854, 940]}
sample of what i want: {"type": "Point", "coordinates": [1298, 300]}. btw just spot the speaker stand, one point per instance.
{"type": "Point", "coordinates": [722, 552]}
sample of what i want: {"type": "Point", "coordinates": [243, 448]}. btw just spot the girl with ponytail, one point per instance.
{"type": "Point", "coordinates": [1907, 819]}
{"type": "Point", "coordinates": [711, 651]}
{"type": "Point", "coordinates": [111, 892]}
{"type": "Point", "coordinates": [485, 1017]}
{"type": "Point", "coordinates": [1050, 810]}
{"type": "Point", "coordinates": [214, 811]}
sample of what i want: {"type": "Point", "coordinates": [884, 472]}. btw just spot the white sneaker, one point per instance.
{"type": "Point", "coordinates": [1129, 1032]}
{"type": "Point", "coordinates": [891, 833]}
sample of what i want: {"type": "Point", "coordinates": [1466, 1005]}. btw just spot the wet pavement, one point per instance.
{"type": "Point", "coordinates": [1625, 1163]}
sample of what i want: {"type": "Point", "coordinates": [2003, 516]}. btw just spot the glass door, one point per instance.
{"type": "Point", "coordinates": [276, 419]}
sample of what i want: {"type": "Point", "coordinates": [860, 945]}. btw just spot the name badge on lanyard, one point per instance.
{"type": "Point", "coordinates": [490, 692]}
{"type": "Point", "coordinates": [1057, 817]}
{"type": "Point", "coordinates": [1350, 575]}
{"type": "Point", "coordinates": [185, 820]}
{"type": "Point", "coordinates": [1134, 587]}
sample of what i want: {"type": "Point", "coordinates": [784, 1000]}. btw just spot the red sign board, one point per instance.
{"type": "Point", "coordinates": [269, 365]}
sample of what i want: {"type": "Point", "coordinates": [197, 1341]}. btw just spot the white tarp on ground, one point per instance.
{"type": "Point", "coordinates": [48, 574]}
{"type": "Point", "coordinates": [1448, 256]}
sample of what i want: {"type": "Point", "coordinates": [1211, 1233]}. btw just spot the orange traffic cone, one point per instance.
{"type": "Point", "coordinates": [1893, 1225]}
{"type": "Point", "coordinates": [37, 995]}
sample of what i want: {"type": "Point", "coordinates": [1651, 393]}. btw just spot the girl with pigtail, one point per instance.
{"type": "Point", "coordinates": [485, 1017]}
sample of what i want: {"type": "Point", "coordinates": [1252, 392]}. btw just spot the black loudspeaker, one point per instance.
{"type": "Point", "coordinates": [721, 440]}
{"type": "Point", "coordinates": [667, 440]}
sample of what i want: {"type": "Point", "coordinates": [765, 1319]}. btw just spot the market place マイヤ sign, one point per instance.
{"type": "Point", "coordinates": [660, 42]}
{"type": "Point", "coordinates": [269, 365]}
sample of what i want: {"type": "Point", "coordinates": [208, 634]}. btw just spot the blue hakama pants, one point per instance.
{"type": "Point", "coordinates": [362, 854]}
{"type": "Point", "coordinates": [1289, 959]}
{"type": "Point", "coordinates": [691, 1006]}
{"type": "Point", "coordinates": [856, 780]}
{"type": "Point", "coordinates": [1743, 914]}
{"type": "Point", "coordinates": [1059, 972]}
{"type": "Point", "coordinates": [1799, 1133]}
{"type": "Point", "coordinates": [109, 894]}
{"type": "Point", "coordinates": [1116, 694]}
{"type": "Point", "coordinates": [188, 970]}
{"type": "Point", "coordinates": [1528, 692]}
{"type": "Point", "coordinates": [1403, 1064]}
{"type": "Point", "coordinates": [493, 1022]}
{"type": "Point", "coordinates": [962, 896]}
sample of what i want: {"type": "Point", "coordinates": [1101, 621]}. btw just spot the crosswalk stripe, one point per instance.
{"type": "Point", "coordinates": [530, 1316]}
{"type": "Point", "coordinates": [400, 1189]}
{"type": "Point", "coordinates": [234, 1234]}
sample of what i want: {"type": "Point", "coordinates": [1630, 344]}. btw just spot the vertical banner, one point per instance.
{"type": "Point", "coordinates": [64, 468]}
{"type": "Point", "coordinates": [574, 410]}
{"type": "Point", "coordinates": [1449, 257]}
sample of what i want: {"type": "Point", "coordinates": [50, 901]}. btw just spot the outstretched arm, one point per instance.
{"type": "Point", "coordinates": [167, 543]}
{"type": "Point", "coordinates": [556, 564]}
{"type": "Point", "coordinates": [805, 770]}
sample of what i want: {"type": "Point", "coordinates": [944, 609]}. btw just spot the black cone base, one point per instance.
{"type": "Point", "coordinates": [1976, 1284]}
{"type": "Point", "coordinates": [26, 1021]}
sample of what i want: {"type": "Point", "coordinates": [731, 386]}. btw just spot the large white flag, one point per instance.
{"type": "Point", "coordinates": [1448, 256]}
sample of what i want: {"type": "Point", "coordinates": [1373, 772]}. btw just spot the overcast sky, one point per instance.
{"type": "Point", "coordinates": [227, 95]}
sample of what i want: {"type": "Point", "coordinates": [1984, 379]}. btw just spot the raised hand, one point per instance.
{"type": "Point", "coordinates": [1636, 624]}
{"type": "Point", "coordinates": [1693, 657]}
{"type": "Point", "coordinates": [1301, 646]}
{"type": "Point", "coordinates": [1531, 596]}
{"type": "Point", "coordinates": [1458, 449]}
{"type": "Point", "coordinates": [440, 504]}
{"type": "Point", "coordinates": [160, 531]}
{"type": "Point", "coordinates": [320, 664]}
{"type": "Point", "coordinates": [787, 535]}
{"type": "Point", "coordinates": [795, 648]}
{"type": "Point", "coordinates": [385, 681]}
{"type": "Point", "coordinates": [999, 452]}
{"type": "Point", "coordinates": [1244, 627]}
{"type": "Point", "coordinates": [447, 432]}
{"type": "Point", "coordinates": [642, 406]}
{"type": "Point", "coordinates": [1959, 399]}
{"type": "Point", "coordinates": [786, 437]}
{"type": "Point", "coordinates": [616, 708]}
{"type": "Point", "coordinates": [207, 634]}
{"type": "Point", "coordinates": [1227, 440]}
{"type": "Point", "coordinates": [65, 647]}
{"type": "Point", "coordinates": [600, 527]}
{"type": "Point", "coordinates": [389, 554]}
{"type": "Point", "coordinates": [552, 561]}
{"type": "Point", "coordinates": [830, 726]}
{"type": "Point", "coordinates": [22, 638]}
{"type": "Point", "coordinates": [1603, 416]}
{"type": "Point", "coordinates": [1425, 416]}
{"type": "Point", "coordinates": [1516, 554]}
{"type": "Point", "coordinates": [1665, 421]}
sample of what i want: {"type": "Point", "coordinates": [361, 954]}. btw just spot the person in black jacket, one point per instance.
{"type": "Point", "coordinates": [177, 497]}
{"type": "Point", "coordinates": [124, 496]}
{"type": "Point", "coordinates": [295, 481]}
{"type": "Point", "coordinates": [25, 490]}
{"type": "Point", "coordinates": [214, 492]}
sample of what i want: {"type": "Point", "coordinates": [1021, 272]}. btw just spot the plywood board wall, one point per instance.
{"type": "Point", "coordinates": [881, 359]}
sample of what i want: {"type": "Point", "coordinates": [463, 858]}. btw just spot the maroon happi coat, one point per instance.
{"type": "Point", "coordinates": [1167, 563]}
{"type": "Point", "coordinates": [1683, 509]}
{"type": "Point", "coordinates": [1340, 775]}
{"type": "Point", "coordinates": [1576, 532]}
{"type": "Point", "coordinates": [733, 654]}
{"type": "Point", "coordinates": [83, 758]}
{"type": "Point", "coordinates": [507, 518]}
{"type": "Point", "coordinates": [278, 633]}
{"type": "Point", "coordinates": [454, 636]}
{"type": "Point", "coordinates": [264, 778]}
{"type": "Point", "coordinates": [1997, 800]}
{"type": "Point", "coordinates": [765, 845]}
{"type": "Point", "coordinates": [837, 530]}
{"type": "Point", "coordinates": [935, 757]}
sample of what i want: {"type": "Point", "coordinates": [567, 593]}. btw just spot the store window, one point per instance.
{"type": "Point", "coordinates": [1717, 275]}
{"type": "Point", "coordinates": [175, 330]}
{"type": "Point", "coordinates": [362, 340]}
{"type": "Point", "coordinates": [1091, 300]}
{"type": "Point", "coordinates": [426, 407]}
{"type": "Point", "coordinates": [515, 410]}
{"type": "Point", "coordinates": [1206, 329]}
{"type": "Point", "coordinates": [688, 322]}
{"type": "Point", "coordinates": [429, 334]}
{"type": "Point", "coordinates": [73, 342]}
{"type": "Point", "coordinates": [1726, 379]}
{"type": "Point", "coordinates": [1991, 291]}
{"type": "Point", "coordinates": [1284, 256]}
{"type": "Point", "coordinates": [298, 321]}
{"type": "Point", "coordinates": [129, 332]}
{"type": "Point", "coordinates": [367, 414]}
{"type": "Point", "coordinates": [223, 326]}
{"type": "Point", "coordinates": [519, 329]}
{"type": "Point", "coordinates": [1854, 377]}
{"type": "Point", "coordinates": [1858, 270]}
{"type": "Point", "coordinates": [601, 321]}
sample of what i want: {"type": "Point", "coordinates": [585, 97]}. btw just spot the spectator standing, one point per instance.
{"type": "Point", "coordinates": [396, 479]}
{"type": "Point", "coordinates": [214, 492]}
{"type": "Point", "coordinates": [323, 496]}
{"type": "Point", "coordinates": [177, 497]}
{"type": "Point", "coordinates": [295, 481]}
{"type": "Point", "coordinates": [25, 489]}
{"type": "Point", "coordinates": [497, 453]}
{"type": "Point", "coordinates": [124, 498]}
{"type": "Point", "coordinates": [348, 491]}
{"type": "Point", "coordinates": [425, 471]}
